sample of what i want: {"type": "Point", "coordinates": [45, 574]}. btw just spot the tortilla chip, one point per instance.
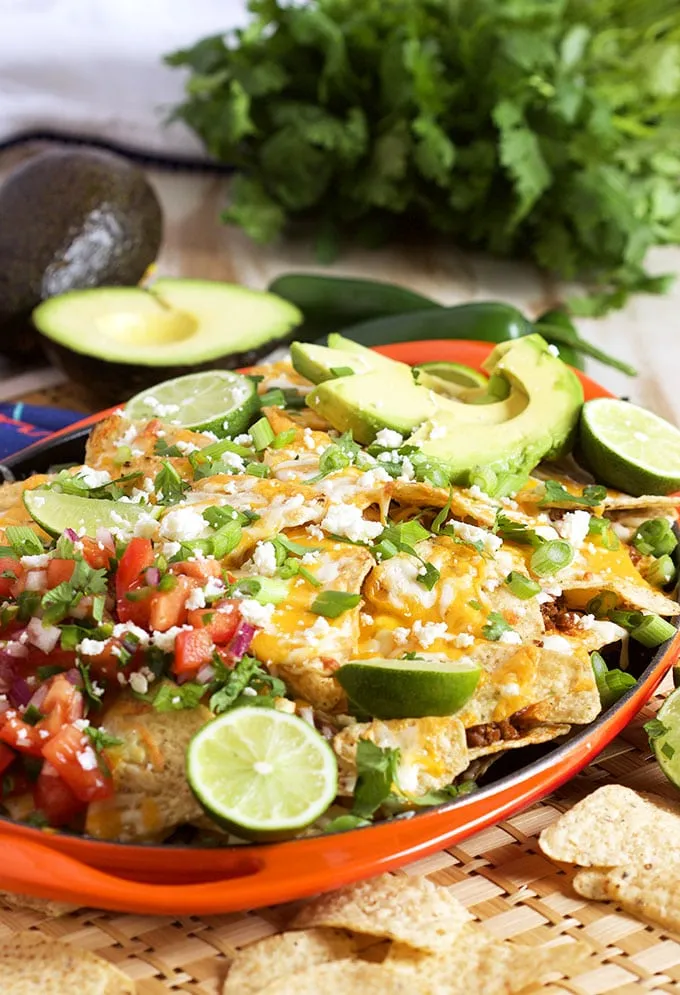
{"type": "Point", "coordinates": [432, 751]}
{"type": "Point", "coordinates": [31, 964]}
{"type": "Point", "coordinates": [463, 505]}
{"type": "Point", "coordinates": [551, 687]}
{"type": "Point", "coordinates": [617, 501]}
{"type": "Point", "coordinates": [283, 956]}
{"type": "Point", "coordinates": [479, 964]}
{"type": "Point", "coordinates": [524, 616]}
{"type": "Point", "coordinates": [541, 734]}
{"type": "Point", "coordinates": [578, 593]}
{"type": "Point", "coordinates": [346, 977]}
{"type": "Point", "coordinates": [648, 892]}
{"type": "Point", "coordinates": [614, 826]}
{"type": "Point", "coordinates": [414, 912]}
{"type": "Point", "coordinates": [32, 903]}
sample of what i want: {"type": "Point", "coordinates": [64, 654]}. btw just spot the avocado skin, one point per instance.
{"type": "Point", "coordinates": [70, 219]}
{"type": "Point", "coordinates": [104, 383]}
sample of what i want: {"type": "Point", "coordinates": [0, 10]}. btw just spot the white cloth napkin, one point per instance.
{"type": "Point", "coordinates": [93, 68]}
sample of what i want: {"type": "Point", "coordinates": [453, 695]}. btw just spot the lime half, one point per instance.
{"type": "Point", "coordinates": [630, 448]}
{"type": "Point", "coordinates": [262, 773]}
{"type": "Point", "coordinates": [666, 741]}
{"type": "Point", "coordinates": [55, 512]}
{"type": "Point", "coordinates": [218, 401]}
{"type": "Point", "coordinates": [401, 689]}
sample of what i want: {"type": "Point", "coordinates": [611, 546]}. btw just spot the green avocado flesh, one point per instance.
{"type": "Point", "coordinates": [175, 322]}
{"type": "Point", "coordinates": [535, 421]}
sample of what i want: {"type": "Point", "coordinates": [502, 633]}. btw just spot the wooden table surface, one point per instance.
{"type": "Point", "coordinates": [196, 244]}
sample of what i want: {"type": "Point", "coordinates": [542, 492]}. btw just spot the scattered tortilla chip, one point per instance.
{"type": "Point", "coordinates": [34, 904]}
{"type": "Point", "coordinates": [614, 826]}
{"type": "Point", "coordinates": [652, 892]}
{"type": "Point", "coordinates": [346, 977]}
{"type": "Point", "coordinates": [541, 734]}
{"type": "Point", "coordinates": [31, 964]}
{"type": "Point", "coordinates": [479, 964]}
{"type": "Point", "coordinates": [414, 912]}
{"type": "Point", "coordinates": [616, 501]}
{"type": "Point", "coordinates": [463, 504]}
{"type": "Point", "coordinates": [284, 956]}
{"type": "Point", "coordinates": [579, 591]}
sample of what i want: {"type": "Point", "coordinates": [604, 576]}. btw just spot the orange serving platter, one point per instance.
{"type": "Point", "coordinates": [176, 879]}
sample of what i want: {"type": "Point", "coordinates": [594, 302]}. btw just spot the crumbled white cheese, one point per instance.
{"type": "Point", "coordinates": [183, 525]}
{"type": "Point", "coordinates": [264, 559]}
{"type": "Point", "coordinates": [35, 562]}
{"type": "Point", "coordinates": [233, 461]}
{"type": "Point", "coordinates": [437, 431]}
{"type": "Point", "coordinates": [401, 635]}
{"type": "Point", "coordinates": [311, 557]}
{"type": "Point", "coordinates": [145, 527]}
{"type": "Point", "coordinates": [546, 532]}
{"type": "Point", "coordinates": [139, 683]}
{"type": "Point", "coordinates": [315, 532]}
{"type": "Point", "coordinates": [165, 641]}
{"type": "Point", "coordinates": [255, 613]}
{"type": "Point", "coordinates": [472, 533]}
{"type": "Point", "coordinates": [242, 440]}
{"type": "Point", "coordinates": [328, 572]}
{"type": "Point", "coordinates": [36, 580]}
{"type": "Point", "coordinates": [463, 639]}
{"type": "Point", "coordinates": [371, 478]}
{"type": "Point", "coordinates": [187, 447]}
{"type": "Point", "coordinates": [87, 759]}
{"type": "Point", "coordinates": [195, 600]}
{"type": "Point", "coordinates": [127, 438]}
{"type": "Point", "coordinates": [427, 632]}
{"type": "Point", "coordinates": [148, 485]}
{"type": "Point", "coordinates": [308, 439]}
{"type": "Point", "coordinates": [574, 527]}
{"type": "Point", "coordinates": [168, 549]}
{"type": "Point", "coordinates": [347, 520]}
{"type": "Point", "coordinates": [553, 350]}
{"type": "Point", "coordinates": [510, 636]}
{"type": "Point", "coordinates": [159, 409]}
{"type": "Point", "coordinates": [407, 470]}
{"type": "Point", "coordinates": [213, 587]}
{"type": "Point", "coordinates": [91, 647]}
{"type": "Point", "coordinates": [317, 631]}
{"type": "Point", "coordinates": [93, 478]}
{"type": "Point", "coordinates": [388, 438]}
{"type": "Point", "coordinates": [558, 644]}
{"type": "Point", "coordinates": [123, 629]}
{"type": "Point", "coordinates": [510, 690]}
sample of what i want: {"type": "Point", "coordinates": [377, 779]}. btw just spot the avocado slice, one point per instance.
{"type": "Point", "coordinates": [115, 341]}
{"type": "Point", "coordinates": [69, 219]}
{"type": "Point", "coordinates": [543, 428]}
{"type": "Point", "coordinates": [317, 362]}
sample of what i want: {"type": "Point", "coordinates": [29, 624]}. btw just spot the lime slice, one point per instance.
{"type": "Point", "coordinates": [630, 448]}
{"type": "Point", "coordinates": [401, 689]}
{"type": "Point", "coordinates": [456, 373]}
{"type": "Point", "coordinates": [218, 401]}
{"type": "Point", "coordinates": [55, 512]}
{"type": "Point", "coordinates": [262, 773]}
{"type": "Point", "coordinates": [666, 743]}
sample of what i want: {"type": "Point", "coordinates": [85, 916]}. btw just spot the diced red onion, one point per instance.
{"type": "Point", "coordinates": [8, 669]}
{"type": "Point", "coordinates": [73, 676]}
{"type": "Point", "coordinates": [19, 693]}
{"type": "Point", "coordinates": [72, 535]}
{"type": "Point", "coordinates": [36, 580]}
{"type": "Point", "coordinates": [241, 640]}
{"type": "Point", "coordinates": [152, 576]}
{"type": "Point", "coordinates": [205, 674]}
{"type": "Point", "coordinates": [39, 696]}
{"type": "Point", "coordinates": [45, 637]}
{"type": "Point", "coordinates": [105, 537]}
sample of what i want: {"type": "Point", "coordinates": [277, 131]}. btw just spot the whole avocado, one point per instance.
{"type": "Point", "coordinates": [70, 219]}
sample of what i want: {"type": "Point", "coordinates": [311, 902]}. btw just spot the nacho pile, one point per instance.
{"type": "Point", "coordinates": [394, 935]}
{"type": "Point", "coordinates": [625, 844]}
{"type": "Point", "coordinates": [254, 575]}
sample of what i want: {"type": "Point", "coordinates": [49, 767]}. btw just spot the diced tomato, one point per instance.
{"type": "Point", "coordinates": [8, 565]}
{"type": "Point", "coordinates": [220, 625]}
{"type": "Point", "coordinates": [198, 569]}
{"type": "Point", "coordinates": [137, 557]}
{"type": "Point", "coordinates": [193, 648]}
{"type": "Point", "coordinates": [58, 571]}
{"type": "Point", "coordinates": [77, 763]}
{"type": "Point", "coordinates": [54, 798]}
{"type": "Point", "coordinates": [16, 782]}
{"type": "Point", "coordinates": [7, 757]}
{"type": "Point", "coordinates": [21, 735]}
{"type": "Point", "coordinates": [95, 556]}
{"type": "Point", "coordinates": [106, 664]}
{"type": "Point", "coordinates": [64, 699]}
{"type": "Point", "coordinates": [168, 608]}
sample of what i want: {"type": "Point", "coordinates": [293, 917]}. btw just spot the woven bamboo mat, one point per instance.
{"type": "Point", "coordinates": [499, 874]}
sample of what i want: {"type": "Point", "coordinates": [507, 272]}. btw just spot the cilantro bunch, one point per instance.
{"type": "Point", "coordinates": [545, 129]}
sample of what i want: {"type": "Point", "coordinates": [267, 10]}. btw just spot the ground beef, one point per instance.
{"type": "Point", "coordinates": [635, 555]}
{"type": "Point", "coordinates": [558, 618]}
{"type": "Point", "coordinates": [493, 732]}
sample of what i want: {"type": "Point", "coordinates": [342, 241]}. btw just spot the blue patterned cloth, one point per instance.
{"type": "Point", "coordinates": [22, 424]}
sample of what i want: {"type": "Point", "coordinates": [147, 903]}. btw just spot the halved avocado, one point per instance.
{"type": "Point", "coordinates": [115, 341]}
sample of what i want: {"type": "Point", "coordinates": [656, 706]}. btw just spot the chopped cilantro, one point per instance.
{"type": "Point", "coordinates": [101, 739]}
{"type": "Point", "coordinates": [495, 627]}
{"type": "Point", "coordinates": [556, 494]}
{"type": "Point", "coordinates": [173, 699]}
{"type": "Point", "coordinates": [168, 485]}
{"type": "Point", "coordinates": [90, 695]}
{"type": "Point", "coordinates": [332, 604]}
{"type": "Point", "coordinates": [376, 773]}
{"type": "Point", "coordinates": [516, 532]}
{"type": "Point", "coordinates": [163, 449]}
{"type": "Point", "coordinates": [654, 729]}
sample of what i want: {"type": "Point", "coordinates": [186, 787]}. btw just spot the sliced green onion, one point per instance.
{"type": "Point", "coordinates": [32, 715]}
{"type": "Point", "coordinates": [655, 537]}
{"type": "Point", "coordinates": [262, 434]}
{"type": "Point", "coordinates": [23, 540]}
{"type": "Point", "coordinates": [485, 478]}
{"type": "Point", "coordinates": [652, 631]}
{"type": "Point", "coordinates": [602, 604]}
{"type": "Point", "coordinates": [405, 533]}
{"type": "Point", "coordinates": [428, 575]}
{"type": "Point", "coordinates": [661, 572]}
{"type": "Point", "coordinates": [551, 556]}
{"type": "Point", "coordinates": [626, 618]}
{"type": "Point", "coordinates": [615, 685]}
{"type": "Point", "coordinates": [602, 529]}
{"type": "Point", "coordinates": [309, 577]}
{"type": "Point", "coordinates": [258, 470]}
{"type": "Point", "coordinates": [274, 398]}
{"type": "Point", "coordinates": [284, 438]}
{"type": "Point", "coordinates": [219, 448]}
{"type": "Point", "coordinates": [123, 455]}
{"type": "Point", "coordinates": [599, 666]}
{"type": "Point", "coordinates": [522, 586]}
{"type": "Point", "coordinates": [331, 604]}
{"type": "Point", "coordinates": [342, 371]}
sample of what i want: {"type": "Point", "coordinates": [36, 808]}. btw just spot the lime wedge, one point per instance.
{"type": "Point", "coordinates": [630, 448]}
{"type": "Point", "coordinates": [665, 739]}
{"type": "Point", "coordinates": [55, 512]}
{"type": "Point", "coordinates": [262, 773]}
{"type": "Point", "coordinates": [218, 401]}
{"type": "Point", "coordinates": [401, 689]}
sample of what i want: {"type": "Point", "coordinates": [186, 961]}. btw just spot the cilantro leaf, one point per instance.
{"type": "Point", "coordinates": [556, 494]}
{"type": "Point", "coordinates": [171, 698]}
{"type": "Point", "coordinates": [376, 773]}
{"type": "Point", "coordinates": [495, 626]}
{"type": "Point", "coordinates": [168, 484]}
